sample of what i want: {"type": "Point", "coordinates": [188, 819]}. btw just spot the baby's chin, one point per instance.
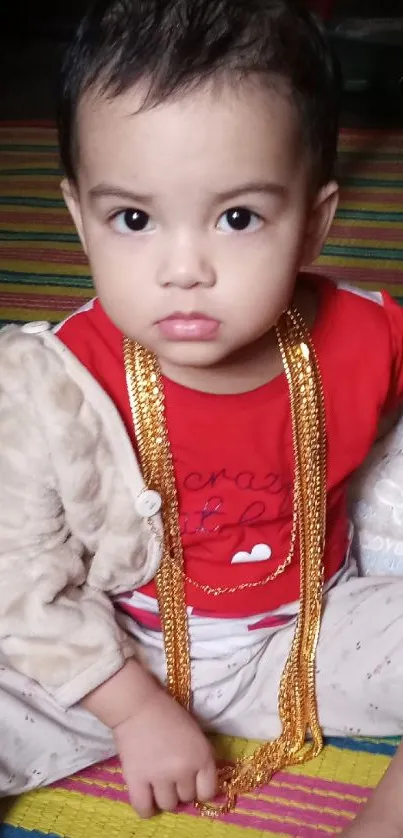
{"type": "Point", "coordinates": [191, 354]}
{"type": "Point", "coordinates": [216, 353]}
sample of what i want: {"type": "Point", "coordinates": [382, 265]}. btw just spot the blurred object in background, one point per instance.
{"type": "Point", "coordinates": [367, 36]}
{"type": "Point", "coordinates": [324, 8]}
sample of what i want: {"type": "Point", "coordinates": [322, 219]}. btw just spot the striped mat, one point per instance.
{"type": "Point", "coordinates": [318, 799]}
{"type": "Point", "coordinates": [44, 275]}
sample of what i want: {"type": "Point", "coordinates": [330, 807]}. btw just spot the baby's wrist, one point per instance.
{"type": "Point", "coordinates": [123, 695]}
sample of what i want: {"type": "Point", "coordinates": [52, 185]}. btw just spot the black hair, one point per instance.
{"type": "Point", "coordinates": [176, 44]}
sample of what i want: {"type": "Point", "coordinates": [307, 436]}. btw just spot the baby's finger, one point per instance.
{"type": "Point", "coordinates": [165, 796]}
{"type": "Point", "coordinates": [142, 799]}
{"type": "Point", "coordinates": [206, 782]}
{"type": "Point", "coordinates": [186, 789]}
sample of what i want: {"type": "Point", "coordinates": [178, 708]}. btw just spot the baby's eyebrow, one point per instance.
{"type": "Point", "coordinates": [108, 190]}
{"type": "Point", "coordinates": [277, 190]}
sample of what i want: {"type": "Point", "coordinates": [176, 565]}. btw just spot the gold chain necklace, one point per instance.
{"type": "Point", "coordinates": [297, 694]}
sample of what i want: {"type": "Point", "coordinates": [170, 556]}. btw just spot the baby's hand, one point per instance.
{"type": "Point", "coordinates": [165, 756]}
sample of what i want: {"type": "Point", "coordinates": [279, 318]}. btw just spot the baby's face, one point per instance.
{"type": "Point", "coordinates": [193, 215]}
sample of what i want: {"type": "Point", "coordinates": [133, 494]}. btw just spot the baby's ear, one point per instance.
{"type": "Point", "coordinates": [320, 220]}
{"type": "Point", "coordinates": [72, 199]}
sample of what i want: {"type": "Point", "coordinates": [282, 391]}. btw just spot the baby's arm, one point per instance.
{"type": "Point", "coordinates": [383, 814]}
{"type": "Point", "coordinates": [165, 756]}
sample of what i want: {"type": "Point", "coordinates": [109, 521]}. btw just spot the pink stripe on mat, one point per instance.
{"type": "Point", "coordinates": [289, 824]}
{"type": "Point", "coordinates": [110, 772]}
{"type": "Point", "coordinates": [358, 273]}
{"type": "Point", "coordinates": [52, 254]}
{"type": "Point", "coordinates": [54, 216]}
{"type": "Point", "coordinates": [58, 303]}
{"type": "Point", "coordinates": [307, 805]}
{"type": "Point", "coordinates": [370, 195]}
{"type": "Point", "coordinates": [370, 166]}
{"type": "Point", "coordinates": [353, 231]}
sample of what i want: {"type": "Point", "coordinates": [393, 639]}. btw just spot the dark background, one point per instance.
{"type": "Point", "coordinates": [34, 34]}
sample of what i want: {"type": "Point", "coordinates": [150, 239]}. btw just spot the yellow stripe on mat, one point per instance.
{"type": "Point", "coordinates": [77, 816]}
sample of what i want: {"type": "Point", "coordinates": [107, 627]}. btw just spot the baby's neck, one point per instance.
{"type": "Point", "coordinates": [246, 370]}
{"type": "Point", "coordinates": [249, 368]}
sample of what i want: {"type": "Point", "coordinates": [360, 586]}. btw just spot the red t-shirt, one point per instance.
{"type": "Point", "coordinates": [233, 454]}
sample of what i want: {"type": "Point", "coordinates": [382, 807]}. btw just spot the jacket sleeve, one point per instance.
{"type": "Point", "coordinates": [55, 627]}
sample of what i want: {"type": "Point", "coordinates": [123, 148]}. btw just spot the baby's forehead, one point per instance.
{"type": "Point", "coordinates": [214, 127]}
{"type": "Point", "coordinates": [222, 92]}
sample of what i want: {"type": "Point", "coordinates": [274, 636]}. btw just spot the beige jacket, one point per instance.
{"type": "Point", "coordinates": [70, 535]}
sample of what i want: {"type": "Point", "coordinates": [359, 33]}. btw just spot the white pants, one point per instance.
{"type": "Point", "coordinates": [359, 687]}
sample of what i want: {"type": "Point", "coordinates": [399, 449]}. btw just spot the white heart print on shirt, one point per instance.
{"type": "Point", "coordinates": [259, 553]}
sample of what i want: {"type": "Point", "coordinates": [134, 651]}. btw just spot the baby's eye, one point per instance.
{"type": "Point", "coordinates": [132, 221]}
{"type": "Point", "coordinates": [239, 219]}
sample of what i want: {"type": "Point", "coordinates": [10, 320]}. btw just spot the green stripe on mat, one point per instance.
{"type": "Point", "coordinates": [363, 252]}
{"type": "Point", "coordinates": [28, 201]}
{"type": "Point", "coordinates": [29, 172]}
{"type": "Point", "coordinates": [370, 183]}
{"type": "Point", "coordinates": [370, 215]}
{"type": "Point", "coordinates": [31, 236]}
{"type": "Point", "coordinates": [70, 280]}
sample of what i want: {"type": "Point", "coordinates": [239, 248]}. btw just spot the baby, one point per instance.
{"type": "Point", "coordinates": [175, 544]}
